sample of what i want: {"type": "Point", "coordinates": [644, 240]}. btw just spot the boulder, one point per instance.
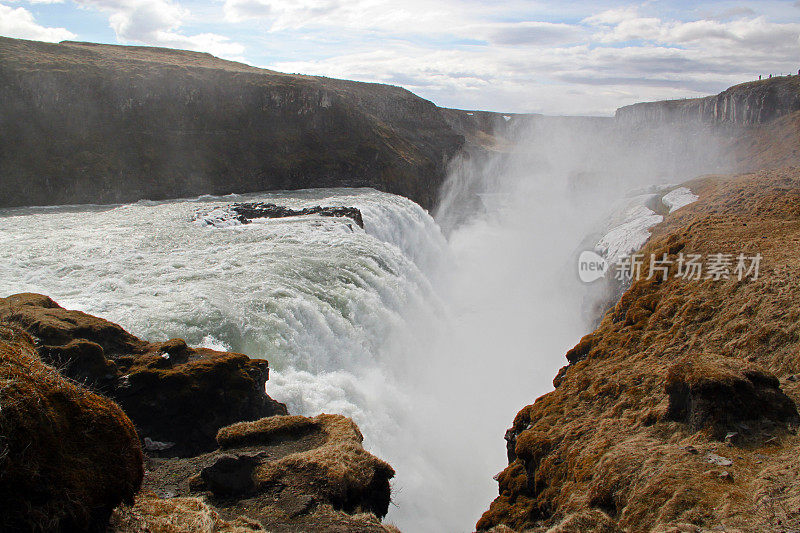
{"type": "Point", "coordinates": [244, 213]}
{"type": "Point", "coordinates": [286, 473]}
{"type": "Point", "coordinates": [335, 469]}
{"type": "Point", "coordinates": [719, 393]}
{"type": "Point", "coordinates": [173, 393]}
{"type": "Point", "coordinates": [68, 456]}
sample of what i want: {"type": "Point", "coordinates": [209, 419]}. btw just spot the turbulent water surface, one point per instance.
{"type": "Point", "coordinates": [430, 343]}
{"type": "Point", "coordinates": [379, 324]}
{"type": "Point", "coordinates": [328, 303]}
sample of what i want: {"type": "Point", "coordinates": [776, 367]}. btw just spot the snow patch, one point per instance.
{"type": "Point", "coordinates": [678, 198]}
{"type": "Point", "coordinates": [628, 236]}
{"type": "Point", "coordinates": [221, 217]}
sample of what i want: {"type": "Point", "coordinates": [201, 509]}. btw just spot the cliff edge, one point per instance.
{"type": "Point", "coordinates": [747, 104]}
{"type": "Point", "coordinates": [679, 413]}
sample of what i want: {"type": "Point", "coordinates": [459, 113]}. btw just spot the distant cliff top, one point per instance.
{"type": "Point", "coordinates": [746, 104]}
{"type": "Point", "coordinates": [94, 123]}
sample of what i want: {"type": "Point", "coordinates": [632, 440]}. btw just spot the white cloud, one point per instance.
{"type": "Point", "coordinates": [146, 21]}
{"type": "Point", "coordinates": [513, 56]}
{"type": "Point", "coordinates": [665, 59]}
{"type": "Point", "coordinates": [243, 10]}
{"type": "Point", "coordinates": [158, 22]}
{"type": "Point", "coordinates": [19, 22]}
{"type": "Point", "coordinates": [386, 16]}
{"type": "Point", "coordinates": [532, 33]}
{"type": "Point", "coordinates": [743, 34]}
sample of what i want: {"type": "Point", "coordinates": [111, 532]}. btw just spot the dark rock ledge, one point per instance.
{"type": "Point", "coordinates": [83, 402]}
{"type": "Point", "coordinates": [244, 213]}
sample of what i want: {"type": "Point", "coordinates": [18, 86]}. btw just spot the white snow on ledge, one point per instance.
{"type": "Point", "coordinates": [678, 198]}
{"type": "Point", "coordinates": [628, 236]}
{"type": "Point", "coordinates": [220, 217]}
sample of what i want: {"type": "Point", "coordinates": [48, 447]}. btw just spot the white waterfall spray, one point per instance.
{"type": "Point", "coordinates": [430, 344]}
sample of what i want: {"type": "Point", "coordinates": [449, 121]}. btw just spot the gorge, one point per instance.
{"type": "Point", "coordinates": [431, 322]}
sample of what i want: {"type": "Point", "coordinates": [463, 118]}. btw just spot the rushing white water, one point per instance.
{"type": "Point", "coordinates": [430, 344]}
{"type": "Point", "coordinates": [319, 297]}
{"type": "Point", "coordinates": [339, 311]}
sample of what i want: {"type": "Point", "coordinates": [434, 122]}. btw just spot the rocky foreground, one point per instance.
{"type": "Point", "coordinates": [102, 430]}
{"type": "Point", "coordinates": [679, 413]}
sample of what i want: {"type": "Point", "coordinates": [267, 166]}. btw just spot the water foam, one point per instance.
{"type": "Point", "coordinates": [330, 305]}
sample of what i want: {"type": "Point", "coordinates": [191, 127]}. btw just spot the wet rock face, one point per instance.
{"type": "Point", "coordinates": [131, 123]}
{"type": "Point", "coordinates": [68, 456]}
{"type": "Point", "coordinates": [178, 397]}
{"type": "Point", "coordinates": [726, 395]}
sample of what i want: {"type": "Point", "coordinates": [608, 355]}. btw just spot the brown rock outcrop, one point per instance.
{"type": "Point", "coordinates": [68, 456]}
{"type": "Point", "coordinates": [726, 395]}
{"type": "Point", "coordinates": [282, 473]}
{"type": "Point", "coordinates": [630, 438]}
{"type": "Point", "coordinates": [178, 397]}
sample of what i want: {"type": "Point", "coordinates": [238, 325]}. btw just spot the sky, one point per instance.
{"type": "Point", "coordinates": [559, 58]}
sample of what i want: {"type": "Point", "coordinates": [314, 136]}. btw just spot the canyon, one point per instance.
{"type": "Point", "coordinates": [676, 413]}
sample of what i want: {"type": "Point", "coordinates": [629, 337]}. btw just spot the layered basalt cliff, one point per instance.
{"type": "Point", "coordinates": [679, 413]}
{"type": "Point", "coordinates": [747, 104]}
{"type": "Point", "coordinates": [86, 123]}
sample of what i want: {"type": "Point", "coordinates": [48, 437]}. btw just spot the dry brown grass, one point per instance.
{"type": "Point", "coordinates": [267, 431]}
{"type": "Point", "coordinates": [602, 441]}
{"type": "Point", "coordinates": [67, 456]}
{"type": "Point", "coordinates": [151, 514]}
{"type": "Point", "coordinates": [338, 470]}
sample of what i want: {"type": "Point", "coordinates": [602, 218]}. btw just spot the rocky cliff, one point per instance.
{"type": "Point", "coordinates": [219, 454]}
{"type": "Point", "coordinates": [89, 123]}
{"type": "Point", "coordinates": [679, 413]}
{"type": "Point", "coordinates": [171, 391]}
{"type": "Point", "coordinates": [67, 456]}
{"type": "Point", "coordinates": [747, 104]}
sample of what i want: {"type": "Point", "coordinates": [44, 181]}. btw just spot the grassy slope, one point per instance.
{"type": "Point", "coordinates": [601, 452]}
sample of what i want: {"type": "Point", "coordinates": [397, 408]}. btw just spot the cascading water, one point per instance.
{"type": "Point", "coordinates": [331, 305]}
{"type": "Point", "coordinates": [430, 344]}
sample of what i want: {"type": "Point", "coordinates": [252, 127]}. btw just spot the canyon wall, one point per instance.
{"type": "Point", "coordinates": [88, 123]}
{"type": "Point", "coordinates": [747, 104]}
{"type": "Point", "coordinates": [678, 413]}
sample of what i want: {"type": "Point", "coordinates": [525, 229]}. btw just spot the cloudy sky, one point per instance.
{"type": "Point", "coordinates": [568, 57]}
